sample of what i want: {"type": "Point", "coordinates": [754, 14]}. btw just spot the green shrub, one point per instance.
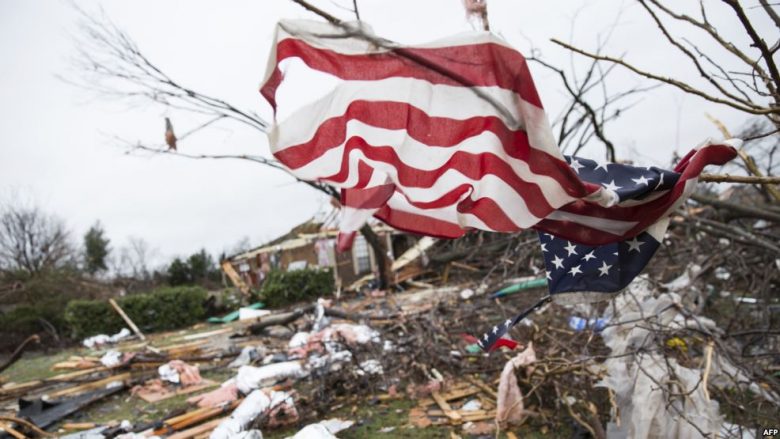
{"type": "Point", "coordinates": [283, 288]}
{"type": "Point", "coordinates": [26, 319]}
{"type": "Point", "coordinates": [157, 310]}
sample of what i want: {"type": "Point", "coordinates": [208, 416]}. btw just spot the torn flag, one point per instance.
{"type": "Point", "coordinates": [439, 138]}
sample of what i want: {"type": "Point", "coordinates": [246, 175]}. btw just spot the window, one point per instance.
{"type": "Point", "coordinates": [361, 257]}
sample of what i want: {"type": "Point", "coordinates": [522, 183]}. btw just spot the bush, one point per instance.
{"type": "Point", "coordinates": [25, 320]}
{"type": "Point", "coordinates": [282, 288]}
{"type": "Point", "coordinates": [157, 310]}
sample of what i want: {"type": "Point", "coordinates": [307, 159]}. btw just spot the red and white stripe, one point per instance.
{"type": "Point", "coordinates": [439, 138]}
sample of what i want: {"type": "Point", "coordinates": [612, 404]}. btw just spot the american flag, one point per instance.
{"type": "Point", "coordinates": [591, 271]}
{"type": "Point", "coordinates": [446, 137]}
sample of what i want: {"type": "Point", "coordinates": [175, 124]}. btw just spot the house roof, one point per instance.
{"type": "Point", "coordinates": [298, 237]}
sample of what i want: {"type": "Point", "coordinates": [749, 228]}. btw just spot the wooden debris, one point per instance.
{"type": "Point", "coordinates": [194, 417]}
{"type": "Point", "coordinates": [231, 273]}
{"type": "Point", "coordinates": [454, 416]}
{"type": "Point", "coordinates": [126, 318]}
{"type": "Point", "coordinates": [78, 426]}
{"type": "Point", "coordinates": [81, 388]}
{"type": "Point", "coordinates": [155, 396]}
{"type": "Point", "coordinates": [196, 431]}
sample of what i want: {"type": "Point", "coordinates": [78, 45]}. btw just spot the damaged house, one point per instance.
{"type": "Point", "coordinates": [311, 245]}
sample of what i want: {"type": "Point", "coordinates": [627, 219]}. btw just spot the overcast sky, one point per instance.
{"type": "Point", "coordinates": [56, 141]}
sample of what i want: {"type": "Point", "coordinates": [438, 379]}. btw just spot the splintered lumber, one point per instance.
{"type": "Point", "coordinates": [181, 422]}
{"type": "Point", "coordinates": [12, 388]}
{"type": "Point", "coordinates": [466, 416]}
{"type": "Point", "coordinates": [179, 349]}
{"type": "Point", "coordinates": [78, 426]}
{"type": "Point", "coordinates": [231, 273]}
{"type": "Point", "coordinates": [99, 384]}
{"type": "Point", "coordinates": [6, 427]}
{"type": "Point", "coordinates": [160, 395]}
{"type": "Point", "coordinates": [454, 416]}
{"type": "Point", "coordinates": [195, 431]}
{"type": "Point", "coordinates": [127, 320]}
{"type": "Point", "coordinates": [453, 395]}
{"type": "Point", "coordinates": [204, 334]}
{"type": "Point", "coordinates": [483, 386]}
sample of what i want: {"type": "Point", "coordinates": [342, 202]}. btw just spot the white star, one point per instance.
{"type": "Point", "coordinates": [611, 186]}
{"type": "Point", "coordinates": [576, 165]}
{"type": "Point", "coordinates": [508, 322]}
{"type": "Point", "coordinates": [634, 244]}
{"type": "Point", "coordinates": [548, 275]}
{"type": "Point", "coordinates": [558, 262]}
{"type": "Point", "coordinates": [485, 337]}
{"type": "Point", "coordinates": [574, 270]}
{"type": "Point", "coordinates": [495, 329]}
{"type": "Point", "coordinates": [544, 246]}
{"type": "Point", "coordinates": [571, 249]}
{"type": "Point", "coordinates": [640, 180]}
{"type": "Point", "coordinates": [603, 165]}
{"type": "Point", "coordinates": [589, 256]}
{"type": "Point", "coordinates": [604, 269]}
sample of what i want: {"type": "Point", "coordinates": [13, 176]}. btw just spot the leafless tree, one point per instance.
{"type": "Point", "coordinates": [134, 259]}
{"type": "Point", "coordinates": [112, 65]}
{"type": "Point", "coordinates": [754, 89]}
{"type": "Point", "coordinates": [32, 241]}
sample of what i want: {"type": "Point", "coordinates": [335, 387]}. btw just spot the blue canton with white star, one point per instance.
{"type": "Point", "coordinates": [573, 267]}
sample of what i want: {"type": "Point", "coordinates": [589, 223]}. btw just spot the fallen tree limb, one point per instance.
{"type": "Point", "coordinates": [738, 210]}
{"type": "Point", "coordinates": [19, 351]}
{"type": "Point", "coordinates": [726, 178]}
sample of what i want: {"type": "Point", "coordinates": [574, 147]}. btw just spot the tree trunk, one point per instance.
{"type": "Point", "coordinates": [380, 254]}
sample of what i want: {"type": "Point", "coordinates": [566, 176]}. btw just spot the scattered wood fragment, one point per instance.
{"type": "Point", "coordinates": [196, 431]}
{"type": "Point", "coordinates": [78, 426]}
{"type": "Point", "coordinates": [181, 422]}
{"type": "Point", "coordinates": [126, 318]}
{"type": "Point", "coordinates": [483, 386]}
{"type": "Point", "coordinates": [452, 395]}
{"type": "Point", "coordinates": [81, 388]}
{"type": "Point", "coordinates": [204, 334]}
{"type": "Point", "coordinates": [231, 273]}
{"type": "Point", "coordinates": [454, 416]}
{"type": "Point", "coordinates": [155, 396]}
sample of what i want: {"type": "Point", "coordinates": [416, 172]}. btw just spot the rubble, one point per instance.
{"type": "Point", "coordinates": [592, 369]}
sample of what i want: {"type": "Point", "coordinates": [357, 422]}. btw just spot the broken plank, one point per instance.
{"type": "Point", "coordinates": [483, 386]}
{"type": "Point", "coordinates": [152, 396]}
{"type": "Point", "coordinates": [126, 318]}
{"type": "Point", "coordinates": [81, 388]}
{"type": "Point", "coordinates": [453, 395]}
{"type": "Point", "coordinates": [454, 416]}
{"type": "Point", "coordinates": [195, 431]}
{"type": "Point", "coordinates": [204, 334]}
{"type": "Point", "coordinates": [194, 417]}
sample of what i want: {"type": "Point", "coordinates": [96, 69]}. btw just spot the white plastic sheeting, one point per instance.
{"type": "Point", "coordinates": [251, 407]}
{"type": "Point", "coordinates": [323, 429]}
{"type": "Point", "coordinates": [250, 378]}
{"type": "Point", "coordinates": [102, 339]}
{"type": "Point", "coordinates": [510, 398]}
{"type": "Point", "coordinates": [648, 385]}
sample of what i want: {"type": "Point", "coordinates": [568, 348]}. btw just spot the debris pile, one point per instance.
{"type": "Point", "coordinates": [689, 350]}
